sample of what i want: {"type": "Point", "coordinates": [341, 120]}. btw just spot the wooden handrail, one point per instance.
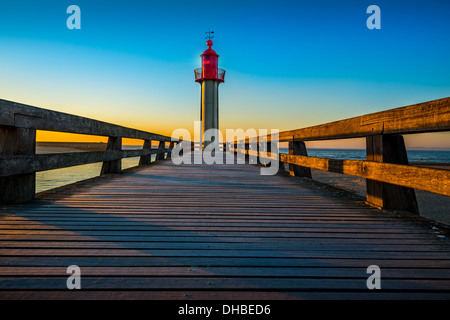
{"type": "Point", "coordinates": [19, 161]}
{"type": "Point", "coordinates": [426, 179]}
{"type": "Point", "coordinates": [390, 179]}
{"type": "Point", "coordinates": [432, 116]}
{"type": "Point", "coordinates": [24, 116]}
{"type": "Point", "coordinates": [23, 164]}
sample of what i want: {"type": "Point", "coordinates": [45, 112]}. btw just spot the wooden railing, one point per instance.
{"type": "Point", "coordinates": [19, 161]}
{"type": "Point", "coordinates": [390, 179]}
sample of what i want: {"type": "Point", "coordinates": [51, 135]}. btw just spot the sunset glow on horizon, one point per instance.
{"type": "Point", "coordinates": [289, 64]}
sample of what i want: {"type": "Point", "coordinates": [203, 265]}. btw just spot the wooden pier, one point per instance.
{"type": "Point", "coordinates": [166, 231]}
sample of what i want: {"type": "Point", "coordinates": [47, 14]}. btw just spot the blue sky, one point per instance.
{"type": "Point", "coordinates": [290, 64]}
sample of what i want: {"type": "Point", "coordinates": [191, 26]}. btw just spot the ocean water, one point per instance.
{"type": "Point", "coordinates": [55, 178]}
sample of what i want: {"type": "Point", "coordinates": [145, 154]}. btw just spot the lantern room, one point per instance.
{"type": "Point", "coordinates": [210, 66]}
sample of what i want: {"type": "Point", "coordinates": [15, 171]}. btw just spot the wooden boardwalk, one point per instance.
{"type": "Point", "coordinates": [214, 232]}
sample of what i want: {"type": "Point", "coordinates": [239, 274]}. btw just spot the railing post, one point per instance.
{"type": "Point", "coordinates": [258, 151]}
{"type": "Point", "coordinates": [389, 149]}
{"type": "Point", "coordinates": [240, 151]}
{"type": "Point", "coordinates": [236, 148]}
{"type": "Point", "coordinates": [253, 146]}
{"type": "Point", "coordinates": [146, 160]}
{"type": "Point", "coordinates": [281, 168]}
{"type": "Point", "coordinates": [247, 155]}
{"type": "Point", "coordinates": [233, 147]}
{"type": "Point", "coordinates": [298, 148]}
{"type": "Point", "coordinates": [17, 141]}
{"type": "Point", "coordinates": [162, 145]}
{"type": "Point", "coordinates": [114, 166]}
{"type": "Point", "coordinates": [172, 144]}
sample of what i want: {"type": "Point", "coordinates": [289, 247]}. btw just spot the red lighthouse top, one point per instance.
{"type": "Point", "coordinates": [210, 66]}
{"type": "Point", "coordinates": [209, 51]}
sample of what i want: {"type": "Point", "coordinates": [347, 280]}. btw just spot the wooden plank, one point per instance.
{"type": "Point", "coordinates": [267, 226]}
{"type": "Point", "coordinates": [141, 214]}
{"type": "Point", "coordinates": [24, 116]}
{"type": "Point", "coordinates": [392, 224]}
{"type": "Point", "coordinates": [123, 234]}
{"type": "Point", "coordinates": [431, 180]}
{"type": "Point", "coordinates": [218, 295]}
{"type": "Point", "coordinates": [236, 238]}
{"type": "Point", "coordinates": [218, 230]}
{"type": "Point", "coordinates": [176, 253]}
{"type": "Point", "coordinates": [207, 262]}
{"type": "Point", "coordinates": [223, 283]}
{"type": "Point", "coordinates": [163, 271]}
{"type": "Point", "coordinates": [197, 228]}
{"type": "Point", "coordinates": [73, 219]}
{"type": "Point", "coordinates": [224, 245]}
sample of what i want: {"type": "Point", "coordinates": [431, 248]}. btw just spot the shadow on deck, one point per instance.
{"type": "Point", "coordinates": [214, 232]}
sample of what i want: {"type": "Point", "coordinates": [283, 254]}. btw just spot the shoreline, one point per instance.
{"type": "Point", "coordinates": [84, 146]}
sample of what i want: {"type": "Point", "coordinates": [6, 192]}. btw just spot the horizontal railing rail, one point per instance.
{"type": "Point", "coordinates": [390, 180]}
{"type": "Point", "coordinates": [426, 179]}
{"type": "Point", "coordinates": [24, 116]}
{"type": "Point", "coordinates": [19, 161]}
{"type": "Point", "coordinates": [432, 116]}
{"type": "Point", "coordinates": [23, 164]}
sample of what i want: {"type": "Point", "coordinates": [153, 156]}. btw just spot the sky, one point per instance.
{"type": "Point", "coordinates": [289, 64]}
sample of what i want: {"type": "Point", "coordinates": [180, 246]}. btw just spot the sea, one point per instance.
{"type": "Point", "coordinates": [50, 179]}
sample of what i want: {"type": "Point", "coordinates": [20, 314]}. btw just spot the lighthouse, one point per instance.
{"type": "Point", "coordinates": [209, 76]}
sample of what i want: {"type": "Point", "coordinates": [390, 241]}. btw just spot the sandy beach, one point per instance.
{"type": "Point", "coordinates": [66, 147]}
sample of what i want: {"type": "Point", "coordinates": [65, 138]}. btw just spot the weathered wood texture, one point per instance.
{"type": "Point", "coordinates": [298, 148]}
{"type": "Point", "coordinates": [214, 232]}
{"type": "Point", "coordinates": [389, 149]}
{"type": "Point", "coordinates": [160, 156]}
{"type": "Point", "coordinates": [24, 116]}
{"type": "Point", "coordinates": [432, 116]}
{"type": "Point", "coordinates": [18, 125]}
{"type": "Point", "coordinates": [22, 164]}
{"type": "Point", "coordinates": [147, 159]}
{"type": "Point", "coordinates": [113, 166]}
{"type": "Point", "coordinates": [171, 146]}
{"type": "Point", "coordinates": [17, 141]}
{"type": "Point", "coordinates": [391, 182]}
{"type": "Point", "coordinates": [426, 179]}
